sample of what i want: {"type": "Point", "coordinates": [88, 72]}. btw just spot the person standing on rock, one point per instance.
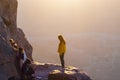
{"type": "Point", "coordinates": [21, 60]}
{"type": "Point", "coordinates": [22, 56]}
{"type": "Point", "coordinates": [61, 49]}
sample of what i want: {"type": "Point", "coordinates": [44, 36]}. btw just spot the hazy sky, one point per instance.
{"type": "Point", "coordinates": [45, 17]}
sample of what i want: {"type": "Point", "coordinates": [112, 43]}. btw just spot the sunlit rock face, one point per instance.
{"type": "Point", "coordinates": [8, 30]}
{"type": "Point", "coordinates": [55, 72]}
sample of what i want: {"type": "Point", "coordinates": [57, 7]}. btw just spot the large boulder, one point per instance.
{"type": "Point", "coordinates": [8, 25]}
{"type": "Point", "coordinates": [69, 73]}
{"type": "Point", "coordinates": [8, 30]}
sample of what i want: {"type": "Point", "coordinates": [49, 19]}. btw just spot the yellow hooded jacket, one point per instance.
{"type": "Point", "coordinates": [62, 47]}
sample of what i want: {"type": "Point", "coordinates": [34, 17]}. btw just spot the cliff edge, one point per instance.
{"type": "Point", "coordinates": [48, 71]}
{"type": "Point", "coordinates": [8, 30]}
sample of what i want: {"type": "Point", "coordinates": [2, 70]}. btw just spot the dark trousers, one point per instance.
{"type": "Point", "coordinates": [62, 60]}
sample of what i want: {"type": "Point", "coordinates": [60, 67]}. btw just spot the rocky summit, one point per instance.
{"type": "Point", "coordinates": [8, 30]}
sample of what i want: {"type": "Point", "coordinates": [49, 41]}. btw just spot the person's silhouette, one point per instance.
{"type": "Point", "coordinates": [61, 49]}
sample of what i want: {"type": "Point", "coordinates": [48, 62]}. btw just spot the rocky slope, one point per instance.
{"type": "Point", "coordinates": [8, 30]}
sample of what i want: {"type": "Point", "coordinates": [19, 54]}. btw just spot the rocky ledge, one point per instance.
{"type": "Point", "coordinates": [55, 72]}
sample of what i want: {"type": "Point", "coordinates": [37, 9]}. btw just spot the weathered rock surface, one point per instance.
{"type": "Point", "coordinates": [8, 30]}
{"type": "Point", "coordinates": [54, 72]}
